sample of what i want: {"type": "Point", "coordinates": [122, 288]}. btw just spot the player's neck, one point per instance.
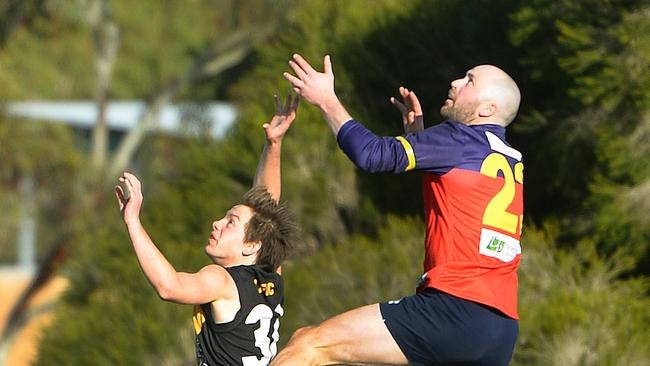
{"type": "Point", "coordinates": [483, 121]}
{"type": "Point", "coordinates": [238, 261]}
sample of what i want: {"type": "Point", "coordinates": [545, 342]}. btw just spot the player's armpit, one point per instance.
{"type": "Point", "coordinates": [211, 283]}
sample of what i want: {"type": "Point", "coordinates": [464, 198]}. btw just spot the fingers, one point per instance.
{"type": "Point", "coordinates": [404, 92]}
{"type": "Point", "coordinates": [327, 65]}
{"type": "Point", "coordinates": [410, 109]}
{"type": "Point", "coordinates": [130, 176]}
{"type": "Point", "coordinates": [300, 73]}
{"type": "Point", "coordinates": [278, 104]}
{"type": "Point", "coordinates": [296, 83]}
{"type": "Point", "coordinates": [129, 185]}
{"type": "Point", "coordinates": [410, 118]}
{"type": "Point", "coordinates": [415, 103]}
{"type": "Point", "coordinates": [303, 64]}
{"type": "Point", "coordinates": [399, 105]}
{"type": "Point", "coordinates": [284, 116]}
{"type": "Point", "coordinates": [287, 104]}
{"type": "Point", "coordinates": [132, 184]}
{"type": "Point", "coordinates": [411, 100]}
{"type": "Point", "coordinates": [290, 104]}
{"type": "Point", "coordinates": [119, 193]}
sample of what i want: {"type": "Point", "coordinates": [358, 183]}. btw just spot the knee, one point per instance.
{"type": "Point", "coordinates": [302, 349]}
{"type": "Point", "coordinates": [302, 337]}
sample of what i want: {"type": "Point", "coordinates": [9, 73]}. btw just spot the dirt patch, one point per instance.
{"type": "Point", "coordinates": [23, 350]}
{"type": "Point", "coordinates": [12, 284]}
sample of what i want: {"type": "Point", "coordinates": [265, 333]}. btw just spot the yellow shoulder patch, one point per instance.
{"type": "Point", "coordinates": [198, 319]}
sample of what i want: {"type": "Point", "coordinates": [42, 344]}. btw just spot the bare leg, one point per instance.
{"type": "Point", "coordinates": [357, 337]}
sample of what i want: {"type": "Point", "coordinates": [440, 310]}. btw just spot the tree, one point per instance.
{"type": "Point", "coordinates": [595, 119]}
{"type": "Point", "coordinates": [202, 56]}
{"type": "Point", "coordinates": [356, 271]}
{"type": "Point", "coordinates": [313, 165]}
{"type": "Point", "coordinates": [15, 13]}
{"type": "Point", "coordinates": [575, 308]}
{"type": "Point", "coordinates": [586, 177]}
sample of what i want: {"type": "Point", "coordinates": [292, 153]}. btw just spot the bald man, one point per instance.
{"type": "Point", "coordinates": [465, 307]}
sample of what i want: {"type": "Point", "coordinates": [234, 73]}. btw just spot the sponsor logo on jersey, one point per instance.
{"type": "Point", "coordinates": [500, 246]}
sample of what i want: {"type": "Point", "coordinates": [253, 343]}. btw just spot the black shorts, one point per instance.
{"type": "Point", "coordinates": [435, 328]}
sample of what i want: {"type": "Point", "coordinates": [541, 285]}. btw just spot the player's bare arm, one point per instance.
{"type": "Point", "coordinates": [317, 88]}
{"type": "Point", "coordinates": [412, 116]}
{"type": "Point", "coordinates": [268, 171]}
{"type": "Point", "coordinates": [209, 284]}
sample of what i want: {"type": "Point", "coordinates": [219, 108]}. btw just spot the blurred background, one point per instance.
{"type": "Point", "coordinates": [177, 90]}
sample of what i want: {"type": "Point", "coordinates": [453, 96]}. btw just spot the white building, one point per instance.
{"type": "Point", "coordinates": [121, 116]}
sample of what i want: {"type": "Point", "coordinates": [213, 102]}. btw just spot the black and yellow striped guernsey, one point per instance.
{"type": "Point", "coordinates": [251, 337]}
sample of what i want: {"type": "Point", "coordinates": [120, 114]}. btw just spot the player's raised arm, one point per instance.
{"type": "Point", "coordinates": [169, 284]}
{"type": "Point", "coordinates": [268, 170]}
{"type": "Point", "coordinates": [317, 88]}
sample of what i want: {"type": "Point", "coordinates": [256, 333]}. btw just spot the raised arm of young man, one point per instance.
{"type": "Point", "coordinates": [268, 170]}
{"type": "Point", "coordinates": [199, 287]}
{"type": "Point", "coordinates": [186, 288]}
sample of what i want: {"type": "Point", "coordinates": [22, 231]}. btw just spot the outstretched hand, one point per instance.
{"type": "Point", "coordinates": [282, 119]}
{"type": "Point", "coordinates": [315, 87]}
{"type": "Point", "coordinates": [129, 206]}
{"type": "Point", "coordinates": [411, 110]}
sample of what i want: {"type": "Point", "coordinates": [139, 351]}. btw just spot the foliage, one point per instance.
{"type": "Point", "coordinates": [45, 155]}
{"type": "Point", "coordinates": [590, 59]}
{"type": "Point", "coordinates": [575, 309]}
{"type": "Point", "coordinates": [583, 128]}
{"type": "Point", "coordinates": [109, 297]}
{"type": "Point", "coordinates": [15, 12]}
{"type": "Point", "coordinates": [150, 54]}
{"type": "Point", "coordinates": [559, 43]}
{"type": "Point", "coordinates": [311, 157]}
{"type": "Point", "coordinates": [356, 271]}
{"type": "Point", "coordinates": [111, 312]}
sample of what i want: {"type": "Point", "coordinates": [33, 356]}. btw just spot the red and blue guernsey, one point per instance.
{"type": "Point", "coordinates": [473, 202]}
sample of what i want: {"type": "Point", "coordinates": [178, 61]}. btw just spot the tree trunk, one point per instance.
{"type": "Point", "coordinates": [106, 40]}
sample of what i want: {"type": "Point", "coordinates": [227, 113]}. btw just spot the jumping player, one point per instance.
{"type": "Point", "coordinates": [465, 308]}
{"type": "Point", "coordinates": [238, 299]}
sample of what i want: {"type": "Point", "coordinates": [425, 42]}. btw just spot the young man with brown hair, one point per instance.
{"type": "Point", "coordinates": [238, 299]}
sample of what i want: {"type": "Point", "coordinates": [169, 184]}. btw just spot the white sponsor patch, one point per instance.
{"type": "Point", "coordinates": [500, 246]}
{"type": "Point", "coordinates": [499, 146]}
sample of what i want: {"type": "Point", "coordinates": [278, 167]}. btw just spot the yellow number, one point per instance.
{"type": "Point", "coordinates": [496, 213]}
{"type": "Point", "coordinates": [519, 173]}
{"type": "Point", "coordinates": [519, 177]}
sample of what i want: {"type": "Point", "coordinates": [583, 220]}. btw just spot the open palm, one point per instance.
{"type": "Point", "coordinates": [411, 110]}
{"type": "Point", "coordinates": [281, 121]}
